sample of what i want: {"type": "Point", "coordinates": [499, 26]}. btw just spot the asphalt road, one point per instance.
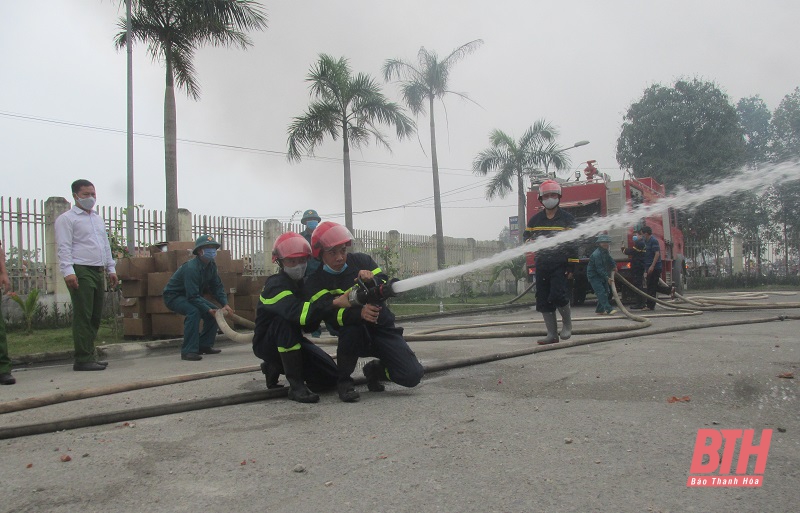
{"type": "Point", "coordinates": [588, 428]}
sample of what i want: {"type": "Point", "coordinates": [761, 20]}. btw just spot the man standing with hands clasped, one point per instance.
{"type": "Point", "coordinates": [83, 254]}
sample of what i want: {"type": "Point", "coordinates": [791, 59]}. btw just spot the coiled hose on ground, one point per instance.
{"type": "Point", "coordinates": [698, 305]}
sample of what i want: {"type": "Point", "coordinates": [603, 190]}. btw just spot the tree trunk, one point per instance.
{"type": "Point", "coordinates": [522, 222]}
{"type": "Point", "coordinates": [437, 198]}
{"type": "Point", "coordinates": [171, 153]}
{"type": "Point", "coordinates": [348, 193]}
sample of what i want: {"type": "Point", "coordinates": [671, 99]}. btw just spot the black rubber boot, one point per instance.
{"type": "Point", "coordinates": [347, 393]}
{"type": "Point", "coordinates": [346, 364]}
{"type": "Point", "coordinates": [272, 372]}
{"type": "Point", "coordinates": [552, 329]}
{"type": "Point", "coordinates": [374, 371]}
{"type": "Point", "coordinates": [566, 321]}
{"type": "Point", "coordinates": [293, 367]}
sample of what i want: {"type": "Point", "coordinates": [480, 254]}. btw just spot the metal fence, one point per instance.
{"type": "Point", "coordinates": [25, 226]}
{"type": "Point", "coordinates": [725, 256]}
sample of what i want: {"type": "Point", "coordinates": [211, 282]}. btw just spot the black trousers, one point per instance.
{"type": "Point", "coordinates": [551, 288]}
{"type": "Point", "coordinates": [384, 342]}
{"type": "Point", "coordinates": [654, 287]}
{"type": "Point", "coordinates": [319, 369]}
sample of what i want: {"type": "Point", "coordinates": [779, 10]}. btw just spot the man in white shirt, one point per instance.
{"type": "Point", "coordinates": [83, 254]}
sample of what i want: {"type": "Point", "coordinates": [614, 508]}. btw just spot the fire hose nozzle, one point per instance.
{"type": "Point", "coordinates": [371, 293]}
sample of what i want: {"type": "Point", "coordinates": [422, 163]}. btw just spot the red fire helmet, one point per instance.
{"type": "Point", "coordinates": [549, 186]}
{"type": "Point", "coordinates": [328, 235]}
{"type": "Point", "coordinates": [290, 245]}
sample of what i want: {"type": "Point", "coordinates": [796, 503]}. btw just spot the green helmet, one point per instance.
{"type": "Point", "coordinates": [603, 238]}
{"type": "Point", "coordinates": [203, 241]}
{"type": "Point", "coordinates": [309, 215]}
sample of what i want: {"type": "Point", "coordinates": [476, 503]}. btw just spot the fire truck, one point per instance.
{"type": "Point", "coordinates": [597, 195]}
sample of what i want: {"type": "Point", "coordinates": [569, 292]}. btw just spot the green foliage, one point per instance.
{"type": "Point", "coordinates": [516, 267]}
{"type": "Point", "coordinates": [685, 135]}
{"type": "Point", "coordinates": [754, 117]}
{"type": "Point", "coordinates": [421, 84]}
{"type": "Point", "coordinates": [347, 106]}
{"type": "Point", "coordinates": [786, 126]}
{"type": "Point", "coordinates": [388, 257]}
{"type": "Point", "coordinates": [30, 306]}
{"type": "Point", "coordinates": [513, 161]}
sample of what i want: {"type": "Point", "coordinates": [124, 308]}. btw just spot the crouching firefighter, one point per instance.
{"type": "Point", "coordinates": [281, 319]}
{"type": "Point", "coordinates": [366, 325]}
{"type": "Point", "coordinates": [554, 266]}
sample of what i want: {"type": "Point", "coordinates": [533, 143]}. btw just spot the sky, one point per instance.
{"type": "Point", "coordinates": [576, 64]}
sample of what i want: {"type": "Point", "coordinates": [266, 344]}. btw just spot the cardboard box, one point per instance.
{"type": "Point", "coordinates": [237, 266]}
{"type": "Point", "coordinates": [249, 302]}
{"type": "Point", "coordinates": [247, 285]}
{"type": "Point", "coordinates": [156, 283]}
{"type": "Point", "coordinates": [229, 282]}
{"type": "Point", "coordinates": [133, 307]}
{"type": "Point", "coordinates": [140, 327]}
{"type": "Point", "coordinates": [223, 261]}
{"type": "Point", "coordinates": [180, 245]}
{"type": "Point", "coordinates": [155, 305]}
{"type": "Point", "coordinates": [134, 268]}
{"type": "Point", "coordinates": [167, 324]}
{"type": "Point", "coordinates": [165, 262]}
{"type": "Point", "coordinates": [134, 288]}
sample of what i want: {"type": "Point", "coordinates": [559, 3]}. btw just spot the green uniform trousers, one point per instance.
{"type": "Point", "coordinates": [87, 310]}
{"type": "Point", "coordinates": [5, 361]}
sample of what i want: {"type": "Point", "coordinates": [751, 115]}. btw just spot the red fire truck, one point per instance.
{"type": "Point", "coordinates": [599, 196]}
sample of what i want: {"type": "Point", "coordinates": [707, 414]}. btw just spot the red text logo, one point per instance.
{"type": "Point", "coordinates": [714, 450]}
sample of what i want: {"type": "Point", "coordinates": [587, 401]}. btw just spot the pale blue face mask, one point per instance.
{"type": "Point", "coordinates": [635, 238]}
{"type": "Point", "coordinates": [312, 224]}
{"type": "Point", "coordinates": [327, 269]}
{"type": "Point", "coordinates": [210, 253]}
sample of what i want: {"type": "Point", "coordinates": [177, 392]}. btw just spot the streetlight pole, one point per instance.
{"type": "Point", "coordinates": [129, 232]}
{"type": "Point", "coordinates": [561, 150]}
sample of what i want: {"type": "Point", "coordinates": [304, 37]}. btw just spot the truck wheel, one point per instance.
{"type": "Point", "coordinates": [679, 275]}
{"type": "Point", "coordinates": [578, 295]}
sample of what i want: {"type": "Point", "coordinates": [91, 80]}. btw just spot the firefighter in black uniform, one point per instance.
{"type": "Point", "coordinates": [367, 330]}
{"type": "Point", "coordinates": [552, 264]}
{"type": "Point", "coordinates": [637, 254]}
{"type": "Point", "coordinates": [281, 319]}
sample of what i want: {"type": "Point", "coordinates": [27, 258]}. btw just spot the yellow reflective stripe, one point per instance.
{"type": "Point", "coordinates": [573, 260]}
{"type": "Point", "coordinates": [377, 270]}
{"type": "Point", "coordinates": [273, 300]}
{"type": "Point", "coordinates": [295, 347]}
{"type": "Point", "coordinates": [340, 317]}
{"type": "Point", "coordinates": [304, 313]}
{"type": "Point", "coordinates": [335, 292]}
{"type": "Point", "coordinates": [319, 295]}
{"type": "Point", "coordinates": [545, 228]}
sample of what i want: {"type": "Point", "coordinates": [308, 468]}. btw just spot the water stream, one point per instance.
{"type": "Point", "coordinates": [745, 181]}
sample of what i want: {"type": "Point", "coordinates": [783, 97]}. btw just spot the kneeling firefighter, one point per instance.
{"type": "Point", "coordinates": [282, 317]}
{"type": "Point", "coordinates": [554, 266]}
{"type": "Point", "coordinates": [366, 325]}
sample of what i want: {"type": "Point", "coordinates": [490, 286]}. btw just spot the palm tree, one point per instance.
{"type": "Point", "coordinates": [173, 30]}
{"type": "Point", "coordinates": [515, 160]}
{"type": "Point", "coordinates": [420, 86]}
{"type": "Point", "coordinates": [344, 106]}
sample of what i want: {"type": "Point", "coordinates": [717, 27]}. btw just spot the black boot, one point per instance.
{"type": "Point", "coordinates": [346, 364]}
{"type": "Point", "coordinates": [374, 371]}
{"type": "Point", "coordinates": [272, 372]}
{"type": "Point", "coordinates": [293, 367]}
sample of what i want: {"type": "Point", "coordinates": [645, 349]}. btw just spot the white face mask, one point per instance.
{"type": "Point", "coordinates": [550, 202]}
{"type": "Point", "coordinates": [296, 272]}
{"type": "Point", "coordinates": [86, 203]}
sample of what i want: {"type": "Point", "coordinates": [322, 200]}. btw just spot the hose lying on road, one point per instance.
{"type": "Point", "coordinates": [172, 408]}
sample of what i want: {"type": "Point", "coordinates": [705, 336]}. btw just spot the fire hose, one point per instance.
{"type": "Point", "coordinates": [608, 334]}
